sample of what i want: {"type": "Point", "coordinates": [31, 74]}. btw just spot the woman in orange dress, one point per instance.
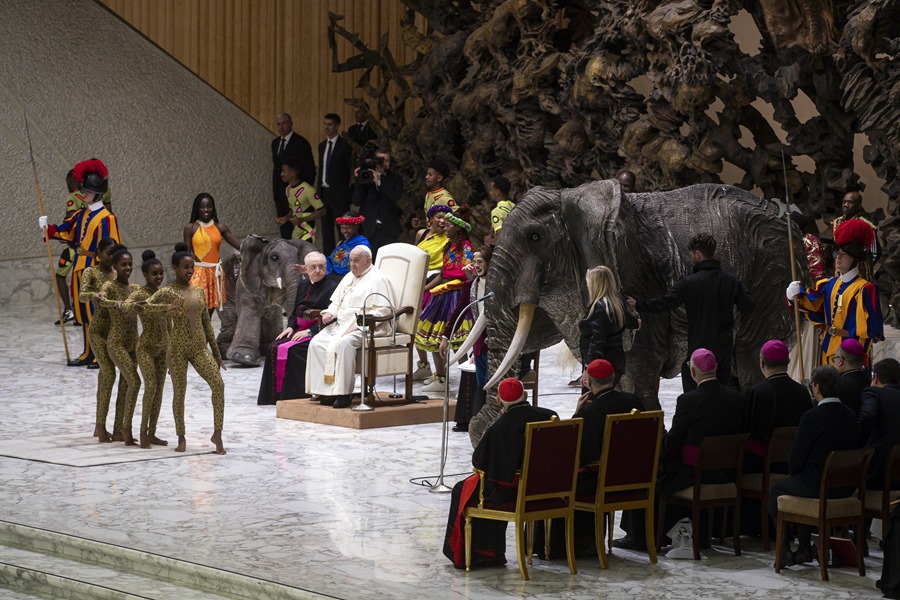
{"type": "Point", "coordinates": [203, 236]}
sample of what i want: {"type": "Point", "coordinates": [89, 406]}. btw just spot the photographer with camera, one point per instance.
{"type": "Point", "coordinates": [377, 192]}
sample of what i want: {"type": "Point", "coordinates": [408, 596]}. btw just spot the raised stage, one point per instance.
{"type": "Point", "coordinates": [390, 412]}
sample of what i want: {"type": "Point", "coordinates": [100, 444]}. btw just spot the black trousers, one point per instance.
{"type": "Point", "coordinates": [282, 207]}
{"type": "Point", "coordinates": [335, 206]}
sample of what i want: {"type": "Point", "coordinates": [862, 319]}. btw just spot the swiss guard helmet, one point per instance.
{"type": "Point", "coordinates": [92, 176]}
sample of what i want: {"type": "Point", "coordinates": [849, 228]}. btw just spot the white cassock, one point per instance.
{"type": "Point", "coordinates": [331, 360]}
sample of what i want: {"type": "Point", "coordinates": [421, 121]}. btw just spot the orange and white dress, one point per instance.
{"type": "Point", "coordinates": [208, 274]}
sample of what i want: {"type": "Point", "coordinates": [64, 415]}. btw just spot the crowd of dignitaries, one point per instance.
{"type": "Point", "coordinates": [825, 423]}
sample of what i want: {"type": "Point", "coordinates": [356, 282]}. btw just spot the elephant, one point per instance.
{"type": "Point", "coordinates": [264, 287]}
{"type": "Point", "coordinates": [553, 236]}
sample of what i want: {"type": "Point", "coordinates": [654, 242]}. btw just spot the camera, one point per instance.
{"type": "Point", "coordinates": [367, 162]}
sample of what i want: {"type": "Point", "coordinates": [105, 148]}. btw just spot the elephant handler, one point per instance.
{"type": "Point", "coordinates": [848, 305]}
{"type": "Point", "coordinates": [709, 296]}
{"type": "Point", "coordinates": [284, 373]}
{"type": "Point", "coordinates": [331, 359]}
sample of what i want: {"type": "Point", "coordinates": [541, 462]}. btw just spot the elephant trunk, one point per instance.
{"type": "Point", "coordinates": [523, 328]}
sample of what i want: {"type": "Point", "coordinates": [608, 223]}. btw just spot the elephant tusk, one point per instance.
{"type": "Point", "coordinates": [474, 334]}
{"type": "Point", "coordinates": [526, 316]}
{"type": "Point", "coordinates": [278, 281]}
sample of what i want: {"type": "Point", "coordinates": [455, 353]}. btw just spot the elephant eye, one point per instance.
{"type": "Point", "coordinates": [273, 257]}
{"type": "Point", "coordinates": [535, 237]}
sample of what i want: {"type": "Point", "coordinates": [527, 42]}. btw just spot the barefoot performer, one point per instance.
{"type": "Point", "coordinates": [121, 343]}
{"type": "Point", "coordinates": [151, 349]}
{"type": "Point", "coordinates": [203, 236]}
{"type": "Point", "coordinates": [191, 333]}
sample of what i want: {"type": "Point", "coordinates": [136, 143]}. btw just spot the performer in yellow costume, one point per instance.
{"type": "Point", "coordinates": [151, 349]}
{"type": "Point", "coordinates": [306, 206]}
{"type": "Point", "coordinates": [191, 341]}
{"type": "Point", "coordinates": [203, 236]}
{"type": "Point", "coordinates": [123, 334]}
{"type": "Point", "coordinates": [433, 241]}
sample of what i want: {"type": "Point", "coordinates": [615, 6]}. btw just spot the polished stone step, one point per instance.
{"type": "Point", "coordinates": [33, 559]}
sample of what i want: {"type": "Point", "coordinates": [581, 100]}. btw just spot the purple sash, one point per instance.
{"type": "Point", "coordinates": [281, 353]}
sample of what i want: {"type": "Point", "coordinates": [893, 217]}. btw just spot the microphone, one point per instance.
{"type": "Point", "coordinates": [488, 296]}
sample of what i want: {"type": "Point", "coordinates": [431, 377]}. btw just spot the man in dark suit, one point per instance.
{"type": "Point", "coordinates": [361, 133]}
{"type": "Point", "coordinates": [879, 416]}
{"type": "Point", "coordinates": [377, 197]}
{"type": "Point", "coordinates": [779, 401]}
{"type": "Point", "coordinates": [333, 185]}
{"type": "Point", "coordinates": [709, 296]}
{"type": "Point", "coordinates": [848, 359]}
{"type": "Point", "coordinates": [711, 409]}
{"type": "Point", "coordinates": [828, 427]}
{"type": "Point", "coordinates": [288, 142]}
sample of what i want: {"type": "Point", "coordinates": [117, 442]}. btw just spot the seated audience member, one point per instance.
{"type": "Point", "coordinates": [779, 401]}
{"type": "Point", "coordinates": [849, 360]}
{"type": "Point", "coordinates": [339, 260]}
{"type": "Point", "coordinates": [499, 455]}
{"type": "Point", "coordinates": [593, 407]}
{"type": "Point", "coordinates": [710, 409]}
{"type": "Point", "coordinates": [828, 427]}
{"type": "Point", "coordinates": [331, 360]}
{"type": "Point", "coordinates": [879, 416]}
{"type": "Point", "coordinates": [285, 368]}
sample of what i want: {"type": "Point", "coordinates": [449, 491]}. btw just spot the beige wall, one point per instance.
{"type": "Point", "coordinates": [269, 56]}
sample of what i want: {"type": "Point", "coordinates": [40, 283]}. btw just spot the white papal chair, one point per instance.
{"type": "Point", "coordinates": [404, 266]}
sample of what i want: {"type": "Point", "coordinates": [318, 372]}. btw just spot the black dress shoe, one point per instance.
{"type": "Point", "coordinates": [461, 427]}
{"type": "Point", "coordinates": [787, 559]}
{"type": "Point", "coordinates": [805, 555]}
{"type": "Point", "coordinates": [78, 362]}
{"type": "Point", "coordinates": [326, 400]}
{"type": "Point", "coordinates": [93, 365]}
{"type": "Point", "coordinates": [342, 402]}
{"type": "Point", "coordinates": [628, 543]}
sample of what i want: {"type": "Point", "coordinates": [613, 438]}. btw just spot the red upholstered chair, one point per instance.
{"type": "Point", "coordinates": [717, 452]}
{"type": "Point", "coordinates": [546, 488]}
{"type": "Point", "coordinates": [758, 485]}
{"type": "Point", "coordinates": [844, 469]}
{"type": "Point", "coordinates": [878, 502]}
{"type": "Point", "coordinates": [627, 474]}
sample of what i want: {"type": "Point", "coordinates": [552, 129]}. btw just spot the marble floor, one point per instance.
{"type": "Point", "coordinates": [327, 509]}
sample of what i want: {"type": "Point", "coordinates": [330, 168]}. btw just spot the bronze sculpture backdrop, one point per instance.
{"type": "Point", "coordinates": [546, 93]}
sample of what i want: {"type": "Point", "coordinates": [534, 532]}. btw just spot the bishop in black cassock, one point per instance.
{"type": "Point", "coordinates": [287, 380]}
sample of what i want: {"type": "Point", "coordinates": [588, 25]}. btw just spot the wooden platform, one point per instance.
{"type": "Point", "coordinates": [391, 413]}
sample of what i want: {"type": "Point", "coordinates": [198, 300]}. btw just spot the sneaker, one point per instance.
{"type": "Point", "coordinates": [423, 371]}
{"type": "Point", "coordinates": [435, 386]}
{"type": "Point", "coordinates": [67, 316]}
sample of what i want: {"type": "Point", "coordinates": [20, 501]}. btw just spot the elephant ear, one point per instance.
{"type": "Point", "coordinates": [303, 248]}
{"type": "Point", "coordinates": [252, 250]}
{"type": "Point", "coordinates": [596, 216]}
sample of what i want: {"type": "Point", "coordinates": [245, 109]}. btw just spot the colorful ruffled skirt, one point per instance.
{"type": "Point", "coordinates": [438, 307]}
{"type": "Point", "coordinates": [211, 280]}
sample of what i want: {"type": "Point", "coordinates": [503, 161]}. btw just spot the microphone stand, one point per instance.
{"type": "Point", "coordinates": [439, 486]}
{"type": "Point", "coordinates": [363, 407]}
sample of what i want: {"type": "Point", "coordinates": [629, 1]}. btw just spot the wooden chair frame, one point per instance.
{"type": "Point", "coordinates": [712, 457]}
{"type": "Point", "coordinates": [520, 516]}
{"type": "Point", "coordinates": [851, 470]}
{"type": "Point", "coordinates": [891, 474]}
{"type": "Point", "coordinates": [778, 451]}
{"type": "Point", "coordinates": [603, 506]}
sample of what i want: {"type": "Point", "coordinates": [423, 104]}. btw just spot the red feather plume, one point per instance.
{"type": "Point", "coordinates": [86, 167]}
{"type": "Point", "coordinates": [854, 230]}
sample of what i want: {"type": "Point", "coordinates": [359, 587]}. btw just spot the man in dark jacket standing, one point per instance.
{"type": "Point", "coordinates": [828, 427]}
{"type": "Point", "coordinates": [377, 194]}
{"type": "Point", "coordinates": [288, 142]}
{"type": "Point", "coordinates": [710, 409]}
{"type": "Point", "coordinates": [709, 296]}
{"type": "Point", "coordinates": [333, 185]}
